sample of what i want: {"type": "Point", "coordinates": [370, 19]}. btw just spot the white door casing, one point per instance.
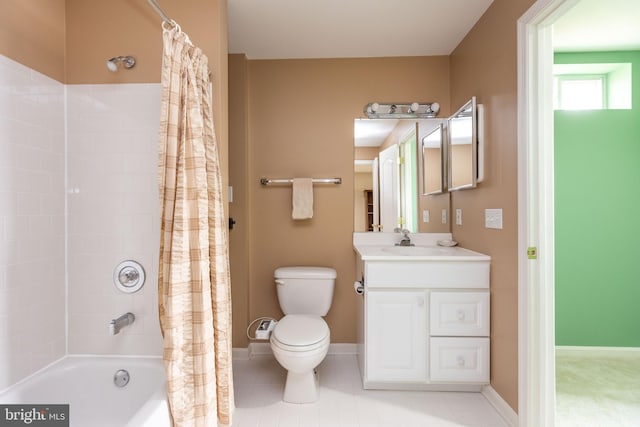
{"type": "Point", "coordinates": [389, 188]}
{"type": "Point", "coordinates": [536, 318]}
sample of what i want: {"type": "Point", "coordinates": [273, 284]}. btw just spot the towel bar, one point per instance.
{"type": "Point", "coordinates": [268, 181]}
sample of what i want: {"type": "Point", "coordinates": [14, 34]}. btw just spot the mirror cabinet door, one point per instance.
{"type": "Point", "coordinates": [432, 158]}
{"type": "Point", "coordinates": [462, 149]}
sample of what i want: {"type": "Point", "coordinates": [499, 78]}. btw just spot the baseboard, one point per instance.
{"type": "Point", "coordinates": [585, 351]}
{"type": "Point", "coordinates": [257, 349]}
{"type": "Point", "coordinates": [502, 407]}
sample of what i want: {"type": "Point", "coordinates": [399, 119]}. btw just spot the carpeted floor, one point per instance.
{"type": "Point", "coordinates": [597, 389]}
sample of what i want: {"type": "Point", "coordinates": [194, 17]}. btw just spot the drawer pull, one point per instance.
{"type": "Point", "coordinates": [460, 314]}
{"type": "Point", "coordinates": [460, 361]}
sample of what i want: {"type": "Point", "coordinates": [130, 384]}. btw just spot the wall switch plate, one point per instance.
{"type": "Point", "coordinates": [458, 216]}
{"type": "Point", "coordinates": [444, 216]}
{"type": "Point", "coordinates": [425, 215]}
{"type": "Point", "coordinates": [493, 218]}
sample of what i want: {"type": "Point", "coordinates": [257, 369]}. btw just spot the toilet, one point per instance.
{"type": "Point", "coordinates": [300, 340]}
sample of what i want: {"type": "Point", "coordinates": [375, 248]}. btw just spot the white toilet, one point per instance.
{"type": "Point", "coordinates": [300, 340]}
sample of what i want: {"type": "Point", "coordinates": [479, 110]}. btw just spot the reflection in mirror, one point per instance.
{"type": "Point", "coordinates": [463, 147]}
{"type": "Point", "coordinates": [432, 162]}
{"type": "Point", "coordinates": [386, 191]}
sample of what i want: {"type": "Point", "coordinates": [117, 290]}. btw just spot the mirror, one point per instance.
{"type": "Point", "coordinates": [389, 193]}
{"type": "Point", "coordinates": [463, 152]}
{"type": "Point", "coordinates": [433, 161]}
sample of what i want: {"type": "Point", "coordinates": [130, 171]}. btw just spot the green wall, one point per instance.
{"type": "Point", "coordinates": [597, 218]}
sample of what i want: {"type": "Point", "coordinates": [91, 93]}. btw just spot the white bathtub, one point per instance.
{"type": "Point", "coordinates": [86, 384]}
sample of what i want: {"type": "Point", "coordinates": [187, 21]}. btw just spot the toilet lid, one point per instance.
{"type": "Point", "coordinates": [300, 330]}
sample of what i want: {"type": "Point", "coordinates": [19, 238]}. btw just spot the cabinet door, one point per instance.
{"type": "Point", "coordinates": [396, 336]}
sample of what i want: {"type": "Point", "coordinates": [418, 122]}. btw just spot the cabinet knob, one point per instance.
{"type": "Point", "coordinates": [420, 301]}
{"type": "Point", "coordinates": [460, 361]}
{"type": "Point", "coordinates": [461, 314]}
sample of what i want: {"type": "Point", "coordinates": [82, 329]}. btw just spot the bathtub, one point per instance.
{"type": "Point", "coordinates": [86, 383]}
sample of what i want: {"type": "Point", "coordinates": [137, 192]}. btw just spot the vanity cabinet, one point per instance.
{"type": "Point", "coordinates": [397, 347]}
{"type": "Point", "coordinates": [420, 330]}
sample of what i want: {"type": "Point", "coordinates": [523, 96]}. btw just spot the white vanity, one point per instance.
{"type": "Point", "coordinates": [423, 320]}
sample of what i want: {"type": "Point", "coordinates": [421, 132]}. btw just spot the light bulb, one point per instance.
{"type": "Point", "coordinates": [112, 65]}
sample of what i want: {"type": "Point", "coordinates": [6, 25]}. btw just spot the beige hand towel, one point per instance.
{"type": "Point", "coordinates": [302, 198]}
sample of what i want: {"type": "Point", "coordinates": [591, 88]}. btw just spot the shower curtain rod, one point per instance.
{"type": "Point", "coordinates": [160, 12]}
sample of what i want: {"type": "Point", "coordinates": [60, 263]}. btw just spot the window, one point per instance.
{"type": "Point", "coordinates": [591, 86]}
{"type": "Point", "coordinates": [580, 92]}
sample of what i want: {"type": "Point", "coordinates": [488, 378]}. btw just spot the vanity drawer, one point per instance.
{"type": "Point", "coordinates": [459, 314]}
{"type": "Point", "coordinates": [459, 359]}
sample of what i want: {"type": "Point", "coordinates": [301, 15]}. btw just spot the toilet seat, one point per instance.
{"type": "Point", "coordinates": [299, 332]}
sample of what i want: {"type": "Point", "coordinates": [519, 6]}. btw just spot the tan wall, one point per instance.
{"type": "Point", "coordinates": [301, 124]}
{"type": "Point", "coordinates": [239, 207]}
{"type": "Point", "coordinates": [32, 32]}
{"type": "Point", "coordinates": [485, 65]}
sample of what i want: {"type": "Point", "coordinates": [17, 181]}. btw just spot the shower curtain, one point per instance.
{"type": "Point", "coordinates": [194, 295]}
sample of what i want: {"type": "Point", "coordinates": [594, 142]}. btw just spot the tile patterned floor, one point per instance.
{"type": "Point", "coordinates": [343, 403]}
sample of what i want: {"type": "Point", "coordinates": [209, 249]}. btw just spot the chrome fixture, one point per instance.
{"type": "Point", "coordinates": [129, 276]}
{"type": "Point", "coordinates": [127, 62]}
{"type": "Point", "coordinates": [121, 378]}
{"type": "Point", "coordinates": [406, 241]}
{"type": "Point", "coordinates": [160, 12]}
{"type": "Point", "coordinates": [415, 110]}
{"type": "Point", "coordinates": [116, 324]}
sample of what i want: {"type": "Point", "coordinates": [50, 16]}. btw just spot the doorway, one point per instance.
{"type": "Point", "coordinates": [537, 211]}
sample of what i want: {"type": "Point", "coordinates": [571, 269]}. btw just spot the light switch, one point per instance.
{"type": "Point", "coordinates": [458, 216]}
{"type": "Point", "coordinates": [493, 218]}
{"type": "Point", "coordinates": [425, 215]}
{"type": "Point", "coordinates": [444, 216]}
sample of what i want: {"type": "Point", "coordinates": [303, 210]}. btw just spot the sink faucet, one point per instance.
{"type": "Point", "coordinates": [116, 324]}
{"type": "Point", "coordinates": [405, 241]}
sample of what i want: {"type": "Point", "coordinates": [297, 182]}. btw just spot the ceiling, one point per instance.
{"type": "Point", "coordinates": [283, 29]}
{"type": "Point", "coordinates": [279, 29]}
{"type": "Point", "coordinates": [593, 25]}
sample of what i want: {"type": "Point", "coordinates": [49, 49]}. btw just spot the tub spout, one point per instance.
{"type": "Point", "coordinates": [116, 324]}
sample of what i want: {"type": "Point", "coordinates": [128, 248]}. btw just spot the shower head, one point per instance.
{"type": "Point", "coordinates": [127, 62]}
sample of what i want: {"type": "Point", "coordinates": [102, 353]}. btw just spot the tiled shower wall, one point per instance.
{"type": "Point", "coordinates": [32, 229]}
{"type": "Point", "coordinates": [113, 213]}
{"type": "Point", "coordinates": [112, 216]}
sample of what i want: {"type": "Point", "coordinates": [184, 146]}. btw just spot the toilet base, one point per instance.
{"type": "Point", "coordinates": [301, 387]}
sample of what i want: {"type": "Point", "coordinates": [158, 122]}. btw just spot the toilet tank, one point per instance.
{"type": "Point", "coordinates": [305, 290]}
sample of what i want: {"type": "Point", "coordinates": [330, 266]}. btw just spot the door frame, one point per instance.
{"type": "Point", "coordinates": [536, 283]}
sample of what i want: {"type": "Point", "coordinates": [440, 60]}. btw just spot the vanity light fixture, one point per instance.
{"type": "Point", "coordinates": [415, 110]}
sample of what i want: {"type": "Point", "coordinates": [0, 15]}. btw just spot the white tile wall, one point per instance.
{"type": "Point", "coordinates": [32, 284]}
{"type": "Point", "coordinates": [113, 213]}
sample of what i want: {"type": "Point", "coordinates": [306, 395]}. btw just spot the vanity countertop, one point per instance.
{"type": "Point", "coordinates": [381, 247]}
{"type": "Point", "coordinates": [418, 253]}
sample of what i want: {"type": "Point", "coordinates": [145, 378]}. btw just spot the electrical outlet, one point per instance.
{"type": "Point", "coordinates": [264, 329]}
{"type": "Point", "coordinates": [444, 216]}
{"type": "Point", "coordinates": [493, 218]}
{"type": "Point", "coordinates": [425, 215]}
{"type": "Point", "coordinates": [458, 216]}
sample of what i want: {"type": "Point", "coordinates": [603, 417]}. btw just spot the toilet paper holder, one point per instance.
{"type": "Point", "coordinates": [358, 286]}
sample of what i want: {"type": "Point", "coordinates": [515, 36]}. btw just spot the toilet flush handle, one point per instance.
{"type": "Point", "coordinates": [279, 282]}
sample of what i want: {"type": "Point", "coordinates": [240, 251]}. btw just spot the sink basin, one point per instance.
{"type": "Point", "coordinates": [417, 250]}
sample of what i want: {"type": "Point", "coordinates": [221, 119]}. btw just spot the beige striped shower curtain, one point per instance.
{"type": "Point", "coordinates": [194, 295]}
